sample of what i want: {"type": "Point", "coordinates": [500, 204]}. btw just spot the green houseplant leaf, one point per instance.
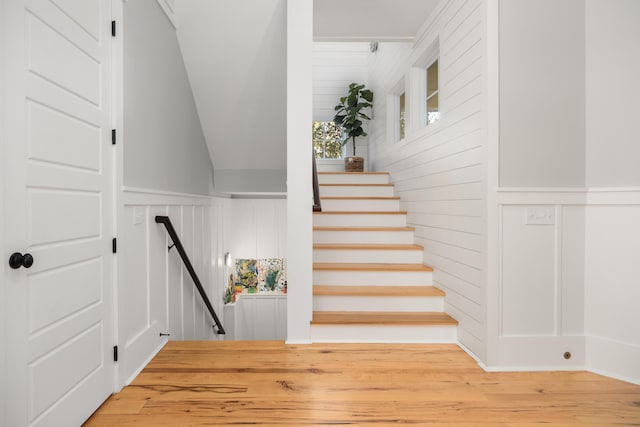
{"type": "Point", "coordinates": [349, 113]}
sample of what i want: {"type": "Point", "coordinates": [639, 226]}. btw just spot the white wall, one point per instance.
{"type": "Point", "coordinates": [235, 54]}
{"type": "Point", "coordinates": [258, 228]}
{"type": "Point", "coordinates": [537, 269]}
{"type": "Point", "coordinates": [335, 67]}
{"type": "Point", "coordinates": [542, 78]}
{"type": "Point", "coordinates": [612, 91]}
{"type": "Point", "coordinates": [155, 292]}
{"type": "Point", "coordinates": [613, 213]}
{"type": "Point", "coordinates": [164, 147]}
{"type": "Point", "coordinates": [392, 20]}
{"type": "Point", "coordinates": [437, 170]}
{"type": "Point", "coordinates": [164, 169]}
{"type": "Point", "coordinates": [613, 287]}
{"type": "Point", "coordinates": [570, 285]}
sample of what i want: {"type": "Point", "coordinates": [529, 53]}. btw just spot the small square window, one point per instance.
{"type": "Point", "coordinates": [327, 140]}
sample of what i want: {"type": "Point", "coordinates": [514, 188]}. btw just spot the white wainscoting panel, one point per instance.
{"type": "Point", "coordinates": [529, 283]}
{"type": "Point", "coordinates": [257, 317]}
{"type": "Point", "coordinates": [570, 286]}
{"type": "Point", "coordinates": [155, 292]}
{"type": "Point", "coordinates": [541, 279]}
{"type": "Point", "coordinates": [612, 282]}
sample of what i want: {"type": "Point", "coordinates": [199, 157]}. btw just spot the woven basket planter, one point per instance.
{"type": "Point", "coordinates": [354, 164]}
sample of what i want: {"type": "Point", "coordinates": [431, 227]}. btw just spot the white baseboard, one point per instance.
{"type": "Point", "coordinates": [298, 342]}
{"type": "Point", "coordinates": [472, 355]}
{"type": "Point", "coordinates": [532, 353]}
{"type": "Point", "coordinates": [613, 359]}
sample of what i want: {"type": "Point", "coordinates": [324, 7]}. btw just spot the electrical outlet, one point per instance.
{"type": "Point", "coordinates": [540, 216]}
{"type": "Point", "coordinates": [138, 215]}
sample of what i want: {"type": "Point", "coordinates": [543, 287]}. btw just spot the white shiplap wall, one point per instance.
{"type": "Point", "coordinates": [335, 67]}
{"type": "Point", "coordinates": [438, 169]}
{"type": "Point", "coordinates": [258, 228]}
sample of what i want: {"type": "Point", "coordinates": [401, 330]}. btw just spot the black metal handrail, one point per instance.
{"type": "Point", "coordinates": [316, 187]}
{"type": "Point", "coordinates": [185, 259]}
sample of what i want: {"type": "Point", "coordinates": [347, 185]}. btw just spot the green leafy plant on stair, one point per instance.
{"type": "Point", "coordinates": [350, 113]}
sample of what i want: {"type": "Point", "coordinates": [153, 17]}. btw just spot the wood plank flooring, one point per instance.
{"type": "Point", "coordinates": [269, 383]}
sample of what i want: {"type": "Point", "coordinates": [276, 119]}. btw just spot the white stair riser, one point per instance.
{"type": "Point", "coordinates": [360, 205]}
{"type": "Point", "coordinates": [372, 278]}
{"type": "Point", "coordinates": [360, 220]}
{"type": "Point", "coordinates": [358, 303]}
{"type": "Point", "coordinates": [384, 334]}
{"type": "Point", "coordinates": [368, 256]}
{"type": "Point", "coordinates": [356, 191]}
{"type": "Point", "coordinates": [353, 178]}
{"type": "Point", "coordinates": [364, 237]}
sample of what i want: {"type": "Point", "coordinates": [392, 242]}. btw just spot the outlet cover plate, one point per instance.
{"type": "Point", "coordinates": [540, 215]}
{"type": "Point", "coordinates": [138, 215]}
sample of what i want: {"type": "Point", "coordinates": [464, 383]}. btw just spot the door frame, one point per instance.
{"type": "Point", "coordinates": [3, 269]}
{"type": "Point", "coordinates": [117, 164]}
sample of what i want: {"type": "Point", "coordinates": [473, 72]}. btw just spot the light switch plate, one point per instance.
{"type": "Point", "coordinates": [138, 215]}
{"type": "Point", "coordinates": [540, 216]}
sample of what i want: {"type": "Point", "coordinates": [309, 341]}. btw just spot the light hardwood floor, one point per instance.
{"type": "Point", "coordinates": [270, 383]}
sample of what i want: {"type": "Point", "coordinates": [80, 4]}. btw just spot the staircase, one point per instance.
{"type": "Point", "coordinates": [370, 283]}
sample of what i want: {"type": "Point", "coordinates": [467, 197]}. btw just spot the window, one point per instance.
{"type": "Point", "coordinates": [327, 140]}
{"type": "Point", "coordinates": [433, 112]}
{"type": "Point", "coordinates": [424, 94]}
{"type": "Point", "coordinates": [402, 119]}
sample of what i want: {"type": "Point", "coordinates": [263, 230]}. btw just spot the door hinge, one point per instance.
{"type": "Point", "coordinates": [114, 245]}
{"type": "Point", "coordinates": [113, 137]}
{"type": "Point", "coordinates": [115, 353]}
{"type": "Point", "coordinates": [113, 28]}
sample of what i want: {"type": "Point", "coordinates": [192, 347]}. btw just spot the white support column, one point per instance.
{"type": "Point", "coordinates": [299, 192]}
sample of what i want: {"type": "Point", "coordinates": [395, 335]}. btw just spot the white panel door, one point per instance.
{"type": "Point", "coordinates": [58, 208]}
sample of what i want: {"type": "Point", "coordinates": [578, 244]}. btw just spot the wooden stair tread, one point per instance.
{"type": "Point", "coordinates": [382, 318]}
{"type": "Point", "coordinates": [370, 267]}
{"type": "Point", "coordinates": [355, 185]}
{"type": "Point", "coordinates": [364, 228]}
{"type": "Point", "coordinates": [354, 173]}
{"type": "Point", "coordinates": [377, 291]}
{"type": "Point", "coordinates": [359, 198]}
{"type": "Point", "coordinates": [369, 246]}
{"type": "Point", "coordinates": [361, 213]}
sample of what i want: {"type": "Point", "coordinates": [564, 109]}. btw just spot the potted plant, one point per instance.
{"type": "Point", "coordinates": [349, 115]}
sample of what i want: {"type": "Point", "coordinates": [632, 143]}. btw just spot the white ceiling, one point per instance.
{"type": "Point", "coordinates": [235, 55]}
{"type": "Point", "coordinates": [369, 20]}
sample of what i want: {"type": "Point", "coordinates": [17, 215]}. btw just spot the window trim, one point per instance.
{"type": "Point", "coordinates": [393, 108]}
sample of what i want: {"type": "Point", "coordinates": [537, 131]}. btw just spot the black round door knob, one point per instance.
{"type": "Point", "coordinates": [17, 260]}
